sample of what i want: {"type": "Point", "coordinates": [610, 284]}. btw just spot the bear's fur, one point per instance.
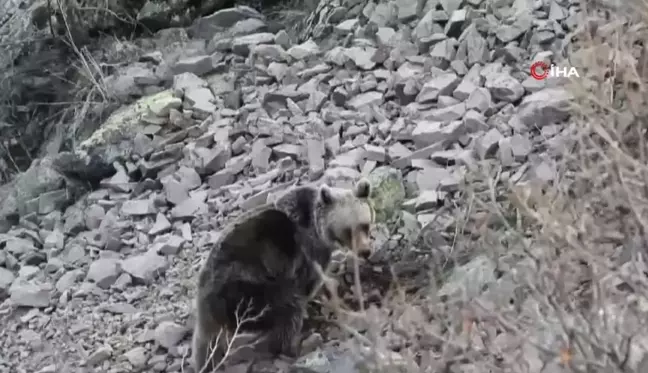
{"type": "Point", "coordinates": [272, 256]}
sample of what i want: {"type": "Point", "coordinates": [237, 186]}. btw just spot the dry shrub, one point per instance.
{"type": "Point", "coordinates": [291, 15]}
{"type": "Point", "coordinates": [39, 105]}
{"type": "Point", "coordinates": [583, 236]}
{"type": "Point", "coordinates": [571, 289]}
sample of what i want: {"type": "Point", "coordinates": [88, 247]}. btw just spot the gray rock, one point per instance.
{"type": "Point", "coordinates": [505, 152]}
{"type": "Point", "coordinates": [349, 159]}
{"type": "Point", "coordinates": [168, 334]}
{"type": "Point", "coordinates": [137, 208]}
{"type": "Point", "coordinates": [504, 87]}
{"type": "Point", "coordinates": [474, 121]}
{"type": "Point", "coordinates": [464, 90]}
{"type": "Point", "coordinates": [93, 216]}
{"type": "Point", "coordinates": [345, 358]}
{"type": "Point", "coordinates": [476, 47]}
{"type": "Point", "coordinates": [205, 27]}
{"type": "Point", "coordinates": [375, 153]}
{"type": "Point", "coordinates": [28, 272]}
{"type": "Point", "coordinates": [426, 26]}
{"type": "Point", "coordinates": [547, 106]}
{"type": "Point", "coordinates": [213, 160]}
{"type": "Point", "coordinates": [200, 100]}
{"type": "Point", "coordinates": [170, 245]}
{"type": "Point", "coordinates": [198, 65]}
{"type": "Point", "coordinates": [443, 53]}
{"type": "Point", "coordinates": [287, 150]}
{"type": "Point", "coordinates": [366, 99]}
{"type": "Point", "coordinates": [436, 132]}
{"type": "Point", "coordinates": [52, 201]}
{"type": "Point", "coordinates": [8, 207]}
{"type": "Point", "coordinates": [221, 178]}
{"type": "Point", "coordinates": [508, 33]}
{"type": "Point", "coordinates": [456, 22]}
{"type": "Point", "coordinates": [429, 178]}
{"type": "Point", "coordinates": [469, 280]}
{"type": "Point", "coordinates": [161, 225]}
{"type": "Point", "coordinates": [145, 267]}
{"type": "Point", "coordinates": [315, 150]}
{"type": "Point", "coordinates": [242, 45]}
{"type": "Point", "coordinates": [175, 191]}
{"type": "Point", "coordinates": [248, 26]}
{"type": "Point", "coordinates": [68, 279]}
{"type": "Point", "coordinates": [283, 39]}
{"type": "Point", "coordinates": [30, 293]}
{"type": "Point", "coordinates": [450, 6]}
{"type": "Point", "coordinates": [362, 57]}
{"type": "Point", "coordinates": [545, 171]}
{"type": "Point", "coordinates": [446, 114]}
{"type": "Point", "coordinates": [6, 279]}
{"type": "Point", "coordinates": [480, 100]}
{"type": "Point", "coordinates": [99, 355]}
{"type": "Point", "coordinates": [442, 85]}
{"type": "Point", "coordinates": [162, 108]}
{"type": "Point", "coordinates": [18, 247]}
{"type": "Point", "coordinates": [104, 272]}
{"type": "Point", "coordinates": [184, 81]}
{"type": "Point", "coordinates": [304, 51]}
{"type": "Point", "coordinates": [137, 356]}
{"type": "Point", "coordinates": [487, 145]}
{"type": "Point", "coordinates": [271, 52]}
{"type": "Point", "coordinates": [41, 177]}
{"type": "Point", "coordinates": [520, 147]}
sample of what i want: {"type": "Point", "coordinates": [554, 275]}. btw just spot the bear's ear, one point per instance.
{"type": "Point", "coordinates": [325, 194]}
{"type": "Point", "coordinates": [363, 188]}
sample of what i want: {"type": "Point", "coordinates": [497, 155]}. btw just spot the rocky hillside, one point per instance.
{"type": "Point", "coordinates": [497, 246]}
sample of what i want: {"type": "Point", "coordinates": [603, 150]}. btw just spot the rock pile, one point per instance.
{"type": "Point", "coordinates": [230, 118]}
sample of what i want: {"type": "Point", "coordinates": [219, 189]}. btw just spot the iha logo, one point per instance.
{"type": "Point", "coordinates": [540, 70]}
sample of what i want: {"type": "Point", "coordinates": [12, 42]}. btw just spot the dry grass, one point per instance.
{"type": "Point", "coordinates": [291, 14]}
{"type": "Point", "coordinates": [76, 93]}
{"type": "Point", "coordinates": [228, 343]}
{"type": "Point", "coordinates": [573, 294]}
{"type": "Point", "coordinates": [65, 101]}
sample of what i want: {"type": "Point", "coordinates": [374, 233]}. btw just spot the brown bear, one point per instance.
{"type": "Point", "coordinates": [270, 259]}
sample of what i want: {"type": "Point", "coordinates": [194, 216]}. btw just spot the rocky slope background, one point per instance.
{"type": "Point", "coordinates": [511, 212]}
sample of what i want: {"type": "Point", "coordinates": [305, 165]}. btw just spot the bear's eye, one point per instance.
{"type": "Point", "coordinates": [346, 234]}
{"type": "Point", "coordinates": [364, 228]}
{"type": "Point", "coordinates": [342, 237]}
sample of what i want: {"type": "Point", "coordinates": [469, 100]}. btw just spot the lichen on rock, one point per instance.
{"type": "Point", "coordinates": [388, 192]}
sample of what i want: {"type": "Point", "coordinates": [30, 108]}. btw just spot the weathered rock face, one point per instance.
{"type": "Point", "coordinates": [119, 138]}
{"type": "Point", "coordinates": [41, 28]}
{"type": "Point", "coordinates": [8, 208]}
{"type": "Point", "coordinates": [13, 27]}
{"type": "Point", "coordinates": [39, 190]}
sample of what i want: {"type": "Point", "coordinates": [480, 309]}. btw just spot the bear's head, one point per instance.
{"type": "Point", "coordinates": [344, 217]}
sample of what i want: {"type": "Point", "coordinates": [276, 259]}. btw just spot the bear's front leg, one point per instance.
{"type": "Point", "coordinates": [284, 336]}
{"type": "Point", "coordinates": [331, 284]}
{"type": "Point", "coordinates": [207, 341]}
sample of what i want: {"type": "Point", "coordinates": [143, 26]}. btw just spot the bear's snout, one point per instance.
{"type": "Point", "coordinates": [364, 254]}
{"type": "Point", "coordinates": [362, 245]}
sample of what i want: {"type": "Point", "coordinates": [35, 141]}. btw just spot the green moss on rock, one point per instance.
{"type": "Point", "coordinates": [388, 192]}
{"type": "Point", "coordinates": [125, 123]}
